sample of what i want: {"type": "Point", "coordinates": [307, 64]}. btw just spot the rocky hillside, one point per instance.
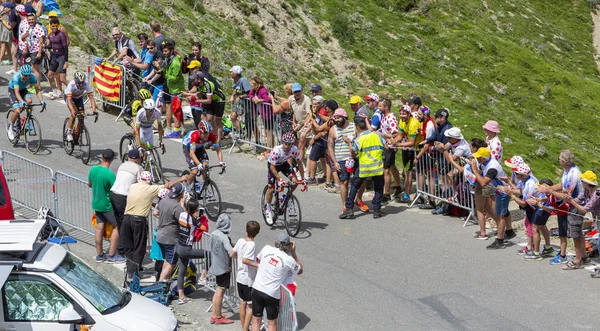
{"type": "Point", "coordinates": [525, 63]}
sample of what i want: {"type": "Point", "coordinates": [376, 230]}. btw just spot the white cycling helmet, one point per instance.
{"type": "Point", "coordinates": [148, 104]}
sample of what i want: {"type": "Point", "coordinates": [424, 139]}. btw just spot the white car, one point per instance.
{"type": "Point", "coordinates": [45, 287]}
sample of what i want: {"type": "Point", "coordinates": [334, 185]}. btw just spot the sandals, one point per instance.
{"type": "Point", "coordinates": [571, 265]}
{"type": "Point", "coordinates": [183, 301]}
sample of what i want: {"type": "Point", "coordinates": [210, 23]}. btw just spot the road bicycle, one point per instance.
{"type": "Point", "coordinates": [151, 161]}
{"type": "Point", "coordinates": [286, 205]}
{"type": "Point", "coordinates": [81, 137]}
{"type": "Point", "coordinates": [207, 193]}
{"type": "Point", "coordinates": [27, 126]}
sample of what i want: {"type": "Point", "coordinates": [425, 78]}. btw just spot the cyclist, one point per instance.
{"type": "Point", "coordinates": [144, 120]}
{"type": "Point", "coordinates": [280, 160]}
{"type": "Point", "coordinates": [19, 95]}
{"type": "Point", "coordinates": [212, 99]}
{"type": "Point", "coordinates": [194, 144]}
{"type": "Point", "coordinates": [74, 99]}
{"type": "Point", "coordinates": [131, 111]}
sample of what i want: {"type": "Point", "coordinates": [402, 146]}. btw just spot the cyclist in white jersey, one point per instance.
{"type": "Point", "coordinates": [74, 99]}
{"type": "Point", "coordinates": [144, 121]}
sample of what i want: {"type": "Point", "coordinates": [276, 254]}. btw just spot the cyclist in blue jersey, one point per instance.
{"type": "Point", "coordinates": [194, 144]}
{"type": "Point", "coordinates": [20, 96]}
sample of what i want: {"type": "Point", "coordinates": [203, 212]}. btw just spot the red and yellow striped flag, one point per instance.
{"type": "Point", "coordinates": [108, 79]}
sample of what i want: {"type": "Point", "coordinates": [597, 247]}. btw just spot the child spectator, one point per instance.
{"type": "Point", "coordinates": [245, 250]}
{"type": "Point", "coordinates": [221, 266]}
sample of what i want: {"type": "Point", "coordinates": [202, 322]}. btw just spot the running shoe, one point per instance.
{"type": "Point", "coordinates": [559, 259]}
{"type": "Point", "coordinates": [523, 251]}
{"type": "Point", "coordinates": [115, 259]}
{"type": "Point", "coordinates": [100, 258]}
{"type": "Point", "coordinates": [479, 236]}
{"type": "Point", "coordinates": [509, 234]}
{"type": "Point", "coordinates": [438, 211]}
{"type": "Point", "coordinates": [222, 320]}
{"type": "Point", "coordinates": [347, 214]}
{"type": "Point", "coordinates": [533, 256]}
{"type": "Point", "coordinates": [386, 198]}
{"type": "Point", "coordinates": [362, 206]}
{"type": "Point", "coordinates": [311, 182]}
{"type": "Point", "coordinates": [173, 135]}
{"type": "Point", "coordinates": [269, 214]}
{"type": "Point", "coordinates": [497, 244]}
{"type": "Point", "coordinates": [548, 251]}
{"type": "Point", "coordinates": [378, 213]}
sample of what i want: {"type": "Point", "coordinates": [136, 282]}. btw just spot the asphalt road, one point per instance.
{"type": "Point", "coordinates": [406, 271]}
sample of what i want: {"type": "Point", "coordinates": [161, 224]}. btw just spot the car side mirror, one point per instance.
{"type": "Point", "coordinates": [70, 316]}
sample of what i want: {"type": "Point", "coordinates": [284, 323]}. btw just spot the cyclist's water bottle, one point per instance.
{"type": "Point", "coordinates": [22, 132]}
{"type": "Point", "coordinates": [281, 199]}
{"type": "Point", "coordinates": [197, 186]}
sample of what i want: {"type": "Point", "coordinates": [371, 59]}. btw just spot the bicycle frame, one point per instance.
{"type": "Point", "coordinates": [288, 195]}
{"type": "Point", "coordinates": [80, 117]}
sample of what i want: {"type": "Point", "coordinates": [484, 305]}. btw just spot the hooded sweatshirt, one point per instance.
{"type": "Point", "coordinates": [221, 246]}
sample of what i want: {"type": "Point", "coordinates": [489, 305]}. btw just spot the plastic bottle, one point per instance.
{"type": "Point", "coordinates": [197, 186]}
{"type": "Point", "coordinates": [282, 199]}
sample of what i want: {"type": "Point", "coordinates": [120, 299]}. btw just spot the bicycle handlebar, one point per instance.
{"type": "Point", "coordinates": [87, 115]}
{"type": "Point", "coordinates": [210, 167]}
{"type": "Point", "coordinates": [31, 105]}
{"type": "Point", "coordinates": [293, 183]}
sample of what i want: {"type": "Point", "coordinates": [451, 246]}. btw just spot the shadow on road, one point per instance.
{"type": "Point", "coordinates": [305, 230]}
{"type": "Point", "coordinates": [227, 207]}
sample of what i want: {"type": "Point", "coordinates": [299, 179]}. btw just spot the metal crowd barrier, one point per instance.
{"type": "Point", "coordinates": [231, 298]}
{"type": "Point", "coordinates": [30, 183]}
{"type": "Point", "coordinates": [260, 126]}
{"type": "Point", "coordinates": [438, 179]}
{"type": "Point", "coordinates": [287, 320]}
{"type": "Point", "coordinates": [69, 189]}
{"type": "Point", "coordinates": [122, 102]}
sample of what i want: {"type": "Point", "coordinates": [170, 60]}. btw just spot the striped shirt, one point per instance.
{"type": "Point", "coordinates": [341, 148]}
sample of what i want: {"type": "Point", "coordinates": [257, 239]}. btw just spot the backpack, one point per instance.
{"type": "Point", "coordinates": [51, 227]}
{"type": "Point", "coordinates": [189, 282]}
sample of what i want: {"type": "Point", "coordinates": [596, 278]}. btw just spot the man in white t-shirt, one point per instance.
{"type": "Point", "coordinates": [275, 266]}
{"type": "Point", "coordinates": [245, 251]}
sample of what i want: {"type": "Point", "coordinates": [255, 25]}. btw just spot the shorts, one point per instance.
{"type": "Point", "coordinates": [262, 302]}
{"type": "Point", "coordinates": [216, 108]}
{"type": "Point", "coordinates": [33, 59]}
{"type": "Point", "coordinates": [57, 64]}
{"type": "Point", "coordinates": [166, 96]}
{"type": "Point", "coordinates": [540, 217]}
{"type": "Point", "coordinates": [147, 137]}
{"type": "Point", "coordinates": [502, 201]}
{"type": "Point", "coordinates": [389, 158]}
{"type": "Point", "coordinates": [488, 190]}
{"type": "Point", "coordinates": [200, 154]}
{"type": "Point", "coordinates": [575, 223]}
{"type": "Point", "coordinates": [408, 160]}
{"type": "Point", "coordinates": [244, 292]}
{"type": "Point", "coordinates": [318, 150]}
{"type": "Point", "coordinates": [78, 102]}
{"type": "Point", "coordinates": [224, 280]}
{"type": "Point", "coordinates": [269, 121]}
{"type": "Point", "coordinates": [563, 225]}
{"type": "Point", "coordinates": [107, 216]}
{"type": "Point", "coordinates": [168, 252]}
{"type": "Point", "coordinates": [343, 174]}
{"type": "Point", "coordinates": [13, 97]}
{"type": "Point", "coordinates": [285, 169]}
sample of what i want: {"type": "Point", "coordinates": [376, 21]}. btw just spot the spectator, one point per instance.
{"type": "Point", "coordinates": [369, 147]}
{"type": "Point", "coordinates": [101, 179]}
{"type": "Point", "coordinates": [175, 84]}
{"type": "Point", "coordinates": [198, 112]}
{"type": "Point", "coordinates": [414, 103]}
{"type": "Point", "coordinates": [320, 127]}
{"type": "Point", "coordinates": [487, 170]}
{"type": "Point", "coordinates": [409, 131]}
{"type": "Point", "coordinates": [58, 44]}
{"type": "Point", "coordinates": [32, 35]}
{"type": "Point", "coordinates": [300, 105]}
{"type": "Point", "coordinates": [261, 104]}
{"type": "Point", "coordinates": [491, 130]}
{"type": "Point", "coordinates": [127, 175]}
{"type": "Point", "coordinates": [156, 77]}
{"type": "Point", "coordinates": [189, 220]}
{"type": "Point", "coordinates": [284, 110]}
{"type": "Point", "coordinates": [241, 104]}
{"type": "Point", "coordinates": [373, 105]}
{"type": "Point", "coordinates": [158, 37]}
{"type": "Point", "coordinates": [37, 8]}
{"type": "Point", "coordinates": [134, 234]}
{"type": "Point", "coordinates": [61, 27]}
{"type": "Point", "coordinates": [276, 264]}
{"type": "Point", "coordinates": [213, 101]}
{"type": "Point", "coordinates": [144, 62]}
{"type": "Point", "coordinates": [422, 160]}
{"type": "Point", "coordinates": [358, 108]}
{"type": "Point", "coordinates": [5, 34]}
{"type": "Point", "coordinates": [168, 211]}
{"type": "Point", "coordinates": [316, 90]}
{"type": "Point", "coordinates": [588, 201]}
{"type": "Point", "coordinates": [221, 266]}
{"type": "Point", "coordinates": [245, 251]}
{"type": "Point", "coordinates": [339, 145]}
{"type": "Point", "coordinates": [196, 55]}
{"type": "Point", "coordinates": [123, 47]}
{"type": "Point", "coordinates": [569, 186]}
{"type": "Point", "coordinates": [14, 22]}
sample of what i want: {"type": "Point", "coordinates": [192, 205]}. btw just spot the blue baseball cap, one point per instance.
{"type": "Point", "coordinates": [8, 5]}
{"type": "Point", "coordinates": [296, 87]}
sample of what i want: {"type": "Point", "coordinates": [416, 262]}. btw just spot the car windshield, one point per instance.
{"type": "Point", "coordinates": [99, 291]}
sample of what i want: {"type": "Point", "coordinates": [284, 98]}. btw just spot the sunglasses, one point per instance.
{"type": "Point", "coordinates": [116, 35]}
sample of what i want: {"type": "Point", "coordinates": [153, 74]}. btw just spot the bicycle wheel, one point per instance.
{"type": "Point", "coordinates": [126, 141]}
{"type": "Point", "coordinates": [210, 199]}
{"type": "Point", "coordinates": [263, 202]}
{"type": "Point", "coordinates": [67, 145]}
{"type": "Point", "coordinates": [17, 136]}
{"type": "Point", "coordinates": [85, 145]}
{"type": "Point", "coordinates": [33, 135]}
{"type": "Point", "coordinates": [292, 216]}
{"type": "Point", "coordinates": [155, 170]}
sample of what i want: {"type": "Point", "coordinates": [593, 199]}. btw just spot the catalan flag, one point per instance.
{"type": "Point", "coordinates": [108, 79]}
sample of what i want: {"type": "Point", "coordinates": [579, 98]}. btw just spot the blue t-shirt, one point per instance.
{"type": "Point", "coordinates": [242, 86]}
{"type": "Point", "coordinates": [376, 119]}
{"type": "Point", "coordinates": [18, 80]}
{"type": "Point", "coordinates": [147, 57]}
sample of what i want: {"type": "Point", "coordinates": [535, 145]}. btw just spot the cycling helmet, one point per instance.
{"type": "Point", "coordinates": [79, 77]}
{"type": "Point", "coordinates": [288, 137]}
{"type": "Point", "coordinates": [146, 176]}
{"type": "Point", "coordinates": [163, 193]}
{"type": "Point", "coordinates": [26, 70]}
{"type": "Point", "coordinates": [135, 106]}
{"type": "Point", "coordinates": [204, 126]}
{"type": "Point", "coordinates": [149, 104]}
{"type": "Point", "coordinates": [145, 94]}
